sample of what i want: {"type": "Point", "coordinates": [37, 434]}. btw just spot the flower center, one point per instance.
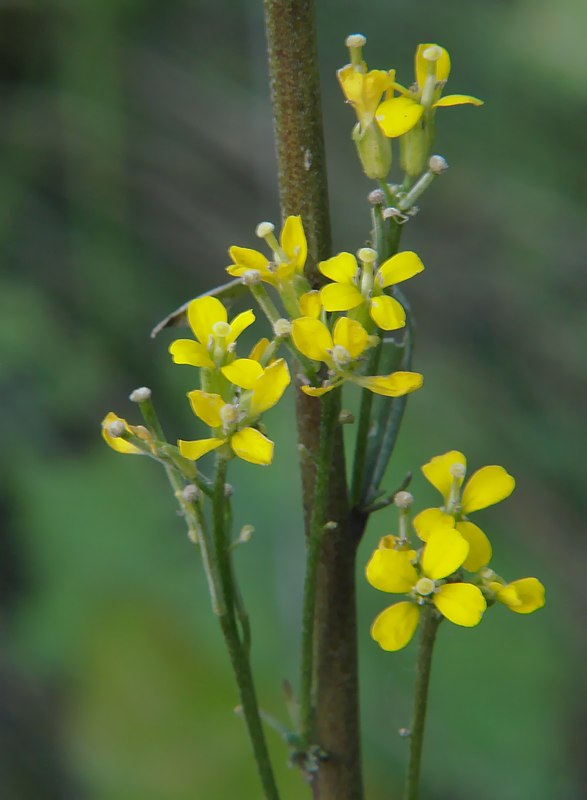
{"type": "Point", "coordinates": [221, 329]}
{"type": "Point", "coordinates": [228, 415]}
{"type": "Point", "coordinates": [340, 356]}
{"type": "Point", "coordinates": [425, 586]}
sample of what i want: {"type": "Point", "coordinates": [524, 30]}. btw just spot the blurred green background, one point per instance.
{"type": "Point", "coordinates": [135, 146]}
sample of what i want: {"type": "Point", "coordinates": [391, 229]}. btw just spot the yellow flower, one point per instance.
{"type": "Point", "coordinates": [289, 254]}
{"type": "Point", "coordinates": [121, 445]}
{"type": "Point", "coordinates": [487, 486]}
{"type": "Point", "coordinates": [398, 115]}
{"type": "Point", "coordinates": [345, 294]}
{"type": "Point", "coordinates": [393, 570]}
{"type": "Point", "coordinates": [522, 596]}
{"type": "Point", "coordinates": [341, 352]}
{"type": "Point", "coordinates": [231, 423]}
{"type": "Point", "coordinates": [208, 319]}
{"type": "Point", "coordinates": [364, 90]}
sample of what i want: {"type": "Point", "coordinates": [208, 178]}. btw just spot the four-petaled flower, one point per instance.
{"type": "Point", "coordinates": [231, 422]}
{"type": "Point", "coordinates": [341, 352]}
{"type": "Point", "coordinates": [120, 444]}
{"type": "Point", "coordinates": [208, 319]}
{"type": "Point", "coordinates": [395, 569]}
{"type": "Point", "coordinates": [344, 294]}
{"type": "Point", "coordinates": [363, 90]}
{"type": "Point", "coordinates": [289, 255]}
{"type": "Point", "coordinates": [398, 115]}
{"type": "Point", "coordinates": [522, 596]}
{"type": "Point", "coordinates": [485, 487]}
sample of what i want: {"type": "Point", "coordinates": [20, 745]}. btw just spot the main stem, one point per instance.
{"type": "Point", "coordinates": [429, 625]}
{"type": "Point", "coordinates": [237, 649]}
{"type": "Point", "coordinates": [295, 94]}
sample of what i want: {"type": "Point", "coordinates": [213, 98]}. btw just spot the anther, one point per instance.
{"type": "Point", "coordinates": [282, 328]}
{"type": "Point", "coordinates": [228, 415]}
{"type": "Point", "coordinates": [116, 429]}
{"type": "Point", "coordinates": [340, 355]}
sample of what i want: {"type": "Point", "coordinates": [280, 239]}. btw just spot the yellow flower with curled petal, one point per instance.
{"type": "Point", "coordinates": [487, 486]}
{"type": "Point", "coordinates": [342, 352]}
{"type": "Point", "coordinates": [394, 569]}
{"type": "Point", "coordinates": [398, 115]}
{"type": "Point", "coordinates": [232, 422]}
{"type": "Point", "coordinates": [208, 319]}
{"type": "Point", "coordinates": [353, 286]}
{"type": "Point", "coordinates": [120, 444]}
{"type": "Point", "coordinates": [364, 89]}
{"type": "Point", "coordinates": [522, 596]}
{"type": "Point", "coordinates": [289, 254]}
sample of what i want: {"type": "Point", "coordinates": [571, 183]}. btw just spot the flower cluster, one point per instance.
{"type": "Point", "coordinates": [387, 110]}
{"type": "Point", "coordinates": [450, 571]}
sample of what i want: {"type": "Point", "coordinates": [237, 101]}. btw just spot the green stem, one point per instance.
{"type": "Point", "coordinates": [428, 627]}
{"type": "Point", "coordinates": [362, 438]}
{"type": "Point", "coordinates": [328, 425]}
{"type": "Point", "coordinates": [237, 649]}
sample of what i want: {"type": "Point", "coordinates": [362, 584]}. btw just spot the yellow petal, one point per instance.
{"type": "Point", "coordinates": [198, 448]}
{"type": "Point", "coordinates": [312, 338]}
{"type": "Point", "coordinates": [239, 324]}
{"type": "Point", "coordinates": [314, 391]}
{"type": "Point", "coordinates": [444, 553]}
{"type": "Point", "coordinates": [458, 100]}
{"type": "Point", "coordinates": [387, 313]}
{"type": "Point", "coordinates": [203, 313]}
{"type": "Point", "coordinates": [259, 349]}
{"type": "Point", "coordinates": [486, 487]}
{"type": "Point", "coordinates": [245, 258]}
{"type": "Point", "coordinates": [340, 297]}
{"type": "Point", "coordinates": [115, 442]}
{"type": "Point", "coordinates": [363, 90]}
{"type": "Point", "coordinates": [187, 351]}
{"type": "Point", "coordinates": [398, 268]}
{"type": "Point", "coordinates": [394, 385]}
{"type": "Point", "coordinates": [243, 372]}
{"type": "Point", "coordinates": [206, 407]}
{"type": "Point", "coordinates": [310, 305]}
{"type": "Point", "coordinates": [293, 241]}
{"type": "Point", "coordinates": [269, 388]}
{"type": "Point", "coordinates": [351, 335]}
{"type": "Point", "coordinates": [437, 471]}
{"type": "Point", "coordinates": [342, 268]}
{"type": "Point", "coordinates": [522, 596]}
{"type": "Point", "coordinates": [398, 115]}
{"type": "Point", "coordinates": [391, 570]}
{"type": "Point", "coordinates": [461, 603]}
{"type": "Point", "coordinates": [429, 519]}
{"type": "Point", "coordinates": [250, 445]}
{"type": "Point", "coordinates": [394, 627]}
{"type": "Point", "coordinates": [421, 65]}
{"type": "Point", "coordinates": [479, 546]}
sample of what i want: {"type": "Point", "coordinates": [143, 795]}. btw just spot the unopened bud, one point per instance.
{"type": "Point", "coordinates": [376, 197]}
{"type": "Point", "coordinates": [403, 499]}
{"type": "Point", "coordinates": [264, 229]}
{"type": "Point", "coordinates": [251, 277]}
{"type": "Point", "coordinates": [246, 533]}
{"type": "Point", "coordinates": [355, 40]}
{"type": "Point", "coordinates": [140, 395]}
{"type": "Point", "coordinates": [437, 165]}
{"type": "Point", "coordinates": [191, 493]}
{"type": "Point", "coordinates": [367, 254]}
{"type": "Point", "coordinates": [282, 328]}
{"type": "Point", "coordinates": [116, 429]}
{"type": "Point", "coordinates": [374, 150]}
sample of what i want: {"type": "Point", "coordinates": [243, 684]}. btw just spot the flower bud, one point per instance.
{"type": "Point", "coordinates": [355, 40]}
{"type": "Point", "coordinates": [403, 499]}
{"type": "Point", "coordinates": [282, 328]}
{"type": "Point", "coordinates": [437, 165]}
{"type": "Point", "coordinates": [376, 197]}
{"type": "Point", "coordinates": [264, 229]}
{"type": "Point", "coordinates": [252, 277]}
{"type": "Point", "coordinates": [191, 493]}
{"type": "Point", "coordinates": [414, 151]}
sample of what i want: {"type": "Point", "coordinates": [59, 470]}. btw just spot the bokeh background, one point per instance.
{"type": "Point", "coordinates": [135, 147]}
